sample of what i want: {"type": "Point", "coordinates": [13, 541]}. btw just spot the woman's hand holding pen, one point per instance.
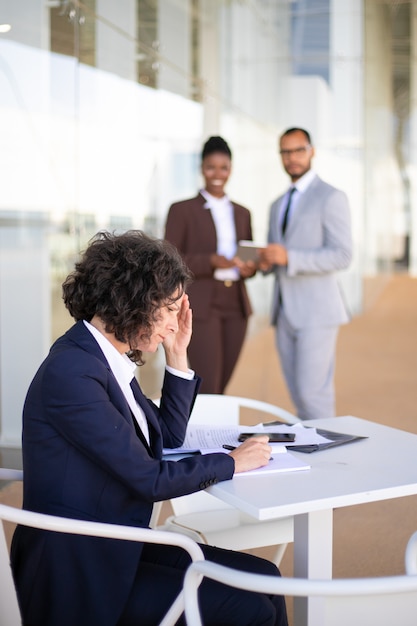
{"type": "Point", "coordinates": [253, 453]}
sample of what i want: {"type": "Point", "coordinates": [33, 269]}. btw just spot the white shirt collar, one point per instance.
{"type": "Point", "coordinates": [222, 213]}
{"type": "Point", "coordinates": [212, 201]}
{"type": "Point", "coordinates": [305, 180]}
{"type": "Point", "coordinates": [120, 364]}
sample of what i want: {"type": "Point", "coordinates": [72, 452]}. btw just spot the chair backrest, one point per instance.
{"type": "Point", "coordinates": [382, 600]}
{"type": "Point", "coordinates": [10, 474]}
{"type": "Point", "coordinates": [8, 599]}
{"type": "Point", "coordinates": [10, 614]}
{"type": "Point", "coordinates": [221, 410]}
{"type": "Point", "coordinates": [411, 555]}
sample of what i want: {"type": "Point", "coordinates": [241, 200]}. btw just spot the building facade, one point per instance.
{"type": "Point", "coordinates": [104, 107]}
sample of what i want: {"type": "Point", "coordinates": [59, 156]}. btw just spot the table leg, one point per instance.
{"type": "Point", "coordinates": [313, 550]}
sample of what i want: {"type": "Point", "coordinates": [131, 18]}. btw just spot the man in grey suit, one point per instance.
{"type": "Point", "coordinates": [309, 240]}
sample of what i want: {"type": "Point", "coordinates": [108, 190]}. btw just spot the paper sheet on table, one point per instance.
{"type": "Point", "coordinates": [279, 463]}
{"type": "Point", "coordinates": [205, 437]}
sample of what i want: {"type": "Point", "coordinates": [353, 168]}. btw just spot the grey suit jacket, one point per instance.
{"type": "Point", "coordinates": [319, 243]}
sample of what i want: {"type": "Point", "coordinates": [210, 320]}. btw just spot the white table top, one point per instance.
{"type": "Point", "coordinates": [379, 468]}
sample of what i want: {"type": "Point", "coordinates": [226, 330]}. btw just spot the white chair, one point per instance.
{"type": "Point", "coordinates": [7, 474]}
{"type": "Point", "coordinates": [384, 600]}
{"type": "Point", "coordinates": [220, 409]}
{"type": "Point", "coordinates": [411, 555]}
{"type": "Point", "coordinates": [10, 613]}
{"type": "Point", "coordinates": [207, 520]}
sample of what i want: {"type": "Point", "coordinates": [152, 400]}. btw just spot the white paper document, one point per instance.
{"type": "Point", "coordinates": [286, 462]}
{"type": "Point", "coordinates": [205, 439]}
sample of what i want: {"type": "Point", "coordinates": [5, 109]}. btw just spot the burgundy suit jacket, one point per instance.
{"type": "Point", "coordinates": [190, 227]}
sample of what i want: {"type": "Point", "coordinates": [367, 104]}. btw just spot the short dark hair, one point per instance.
{"type": "Point", "coordinates": [215, 144]}
{"type": "Point", "coordinates": [290, 131]}
{"type": "Point", "coordinates": [124, 279]}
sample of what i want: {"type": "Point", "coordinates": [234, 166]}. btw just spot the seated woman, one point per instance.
{"type": "Point", "coordinates": [92, 450]}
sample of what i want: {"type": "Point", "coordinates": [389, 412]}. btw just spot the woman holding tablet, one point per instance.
{"type": "Point", "coordinates": [206, 231]}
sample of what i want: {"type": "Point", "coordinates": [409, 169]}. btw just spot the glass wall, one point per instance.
{"type": "Point", "coordinates": [390, 134]}
{"type": "Point", "coordinates": [104, 107]}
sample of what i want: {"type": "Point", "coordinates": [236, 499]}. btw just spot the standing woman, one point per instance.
{"type": "Point", "coordinates": [206, 229]}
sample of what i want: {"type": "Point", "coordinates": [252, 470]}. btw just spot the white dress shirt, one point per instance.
{"type": "Point", "coordinates": [300, 187]}
{"type": "Point", "coordinates": [222, 213]}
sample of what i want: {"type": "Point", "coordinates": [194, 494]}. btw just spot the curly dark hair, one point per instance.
{"type": "Point", "coordinates": [215, 144]}
{"type": "Point", "coordinates": [124, 279]}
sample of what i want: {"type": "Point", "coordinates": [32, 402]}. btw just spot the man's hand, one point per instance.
{"type": "Point", "coordinates": [253, 453]}
{"type": "Point", "coordinates": [273, 254]}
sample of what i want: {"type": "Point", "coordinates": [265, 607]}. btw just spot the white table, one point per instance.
{"type": "Point", "coordinates": [379, 468]}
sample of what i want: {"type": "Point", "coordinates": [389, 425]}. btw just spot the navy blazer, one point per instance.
{"type": "Point", "coordinates": [84, 458]}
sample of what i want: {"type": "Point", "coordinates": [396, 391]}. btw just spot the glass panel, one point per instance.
{"type": "Point", "coordinates": [72, 30]}
{"type": "Point", "coordinates": [105, 128]}
{"type": "Point", "coordinates": [148, 43]}
{"type": "Point", "coordinates": [310, 38]}
{"type": "Point", "coordinates": [401, 21]}
{"type": "Point", "coordinates": [85, 146]}
{"type": "Point", "coordinates": [388, 71]}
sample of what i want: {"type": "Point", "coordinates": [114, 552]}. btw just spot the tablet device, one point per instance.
{"type": "Point", "coordinates": [248, 250]}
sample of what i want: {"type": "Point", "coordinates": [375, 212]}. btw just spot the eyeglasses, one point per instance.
{"type": "Point", "coordinates": [298, 151]}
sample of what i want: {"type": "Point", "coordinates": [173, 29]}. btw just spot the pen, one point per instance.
{"type": "Point", "coordinates": [227, 447]}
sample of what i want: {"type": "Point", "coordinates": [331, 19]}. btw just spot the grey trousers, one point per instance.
{"type": "Point", "coordinates": [307, 358]}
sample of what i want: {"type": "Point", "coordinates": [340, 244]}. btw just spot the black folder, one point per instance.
{"type": "Point", "coordinates": [335, 439]}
